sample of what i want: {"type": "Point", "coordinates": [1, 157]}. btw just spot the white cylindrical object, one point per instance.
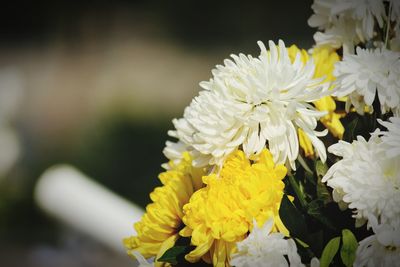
{"type": "Point", "coordinates": [76, 200]}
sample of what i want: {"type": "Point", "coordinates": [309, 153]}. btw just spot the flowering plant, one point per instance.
{"type": "Point", "coordinates": [249, 181]}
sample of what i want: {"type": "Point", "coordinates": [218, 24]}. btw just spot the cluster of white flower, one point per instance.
{"type": "Point", "coordinates": [380, 249]}
{"type": "Point", "coordinates": [391, 137]}
{"type": "Point", "coordinates": [250, 103]}
{"type": "Point", "coordinates": [363, 73]}
{"type": "Point", "coordinates": [370, 72]}
{"type": "Point", "coordinates": [346, 23]}
{"type": "Point", "coordinates": [263, 248]}
{"type": "Point", "coordinates": [367, 179]}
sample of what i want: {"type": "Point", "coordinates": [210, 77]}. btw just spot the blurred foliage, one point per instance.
{"type": "Point", "coordinates": [124, 155]}
{"type": "Point", "coordinates": [118, 151]}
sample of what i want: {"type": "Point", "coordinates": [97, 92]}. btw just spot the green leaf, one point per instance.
{"type": "Point", "coordinates": [173, 253]}
{"type": "Point", "coordinates": [321, 168]}
{"type": "Point", "coordinates": [349, 247]}
{"type": "Point", "coordinates": [304, 245]}
{"type": "Point", "coordinates": [330, 251]}
{"type": "Point", "coordinates": [322, 190]}
{"type": "Point", "coordinates": [350, 131]}
{"type": "Point", "coordinates": [293, 219]}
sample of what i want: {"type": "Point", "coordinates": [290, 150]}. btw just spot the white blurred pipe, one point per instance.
{"type": "Point", "coordinates": [77, 201]}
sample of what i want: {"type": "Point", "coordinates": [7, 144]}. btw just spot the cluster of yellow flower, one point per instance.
{"type": "Point", "coordinates": [214, 210]}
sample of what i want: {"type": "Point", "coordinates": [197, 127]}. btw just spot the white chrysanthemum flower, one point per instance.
{"type": "Point", "coordinates": [342, 34]}
{"type": "Point", "coordinates": [336, 31]}
{"type": "Point", "coordinates": [368, 73]}
{"type": "Point", "coordinates": [322, 17]}
{"type": "Point", "coordinates": [254, 102]}
{"type": "Point", "coordinates": [391, 137]}
{"type": "Point", "coordinates": [365, 12]}
{"type": "Point", "coordinates": [263, 248]}
{"type": "Point", "coordinates": [346, 22]}
{"type": "Point", "coordinates": [380, 249]}
{"type": "Point", "coordinates": [365, 179]}
{"type": "Point", "coordinates": [174, 151]}
{"type": "Point", "coordinates": [314, 262]}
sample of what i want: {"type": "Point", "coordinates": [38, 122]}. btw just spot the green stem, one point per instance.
{"type": "Point", "coordinates": [303, 163]}
{"type": "Point", "coordinates": [297, 191]}
{"type": "Point", "coordinates": [388, 26]}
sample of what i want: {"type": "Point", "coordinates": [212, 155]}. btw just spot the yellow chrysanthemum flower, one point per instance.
{"type": "Point", "coordinates": [158, 229]}
{"type": "Point", "coordinates": [222, 213]}
{"type": "Point", "coordinates": [324, 60]}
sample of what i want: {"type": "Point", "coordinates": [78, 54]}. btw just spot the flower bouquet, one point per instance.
{"type": "Point", "coordinates": [249, 181]}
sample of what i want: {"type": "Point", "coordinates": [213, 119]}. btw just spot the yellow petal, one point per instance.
{"type": "Point", "coordinates": [167, 244]}
{"type": "Point", "coordinates": [305, 143]}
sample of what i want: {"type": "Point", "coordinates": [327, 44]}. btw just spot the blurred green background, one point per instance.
{"type": "Point", "coordinates": [100, 82]}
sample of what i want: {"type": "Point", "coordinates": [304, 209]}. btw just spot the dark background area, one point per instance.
{"type": "Point", "coordinates": [204, 24]}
